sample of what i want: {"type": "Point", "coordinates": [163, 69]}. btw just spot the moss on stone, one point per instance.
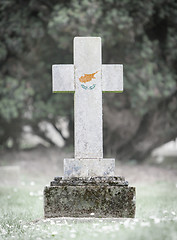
{"type": "Point", "coordinates": [81, 201]}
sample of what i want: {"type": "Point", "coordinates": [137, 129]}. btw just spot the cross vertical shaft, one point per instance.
{"type": "Point", "coordinates": [88, 98]}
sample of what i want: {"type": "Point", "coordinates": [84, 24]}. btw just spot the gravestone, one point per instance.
{"type": "Point", "coordinates": [89, 186]}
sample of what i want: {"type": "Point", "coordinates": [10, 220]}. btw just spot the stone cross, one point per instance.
{"type": "Point", "coordinates": [87, 78]}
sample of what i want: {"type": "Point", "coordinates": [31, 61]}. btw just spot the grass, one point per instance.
{"type": "Point", "coordinates": [21, 216]}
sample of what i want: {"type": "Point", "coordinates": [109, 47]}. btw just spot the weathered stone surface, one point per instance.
{"type": "Point", "coordinates": [98, 181]}
{"type": "Point", "coordinates": [88, 78]}
{"type": "Point", "coordinates": [81, 191]}
{"type": "Point", "coordinates": [83, 201]}
{"type": "Point", "coordinates": [63, 78]}
{"type": "Point", "coordinates": [88, 167]}
{"type": "Point", "coordinates": [88, 102]}
{"type": "Point", "coordinates": [112, 78]}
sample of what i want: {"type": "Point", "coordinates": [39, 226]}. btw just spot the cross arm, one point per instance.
{"type": "Point", "coordinates": [63, 78]}
{"type": "Point", "coordinates": [112, 78]}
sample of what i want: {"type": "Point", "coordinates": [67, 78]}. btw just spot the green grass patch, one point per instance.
{"type": "Point", "coordinates": [21, 216]}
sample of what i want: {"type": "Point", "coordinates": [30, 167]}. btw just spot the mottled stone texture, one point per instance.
{"type": "Point", "coordinates": [88, 167]}
{"type": "Point", "coordinates": [112, 78]}
{"type": "Point", "coordinates": [88, 103]}
{"type": "Point", "coordinates": [80, 197]}
{"type": "Point", "coordinates": [81, 191]}
{"type": "Point", "coordinates": [87, 78]}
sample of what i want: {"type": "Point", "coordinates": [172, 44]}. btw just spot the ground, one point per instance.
{"type": "Point", "coordinates": [24, 174]}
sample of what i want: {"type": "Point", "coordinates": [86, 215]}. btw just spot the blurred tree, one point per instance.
{"type": "Point", "coordinates": [141, 35]}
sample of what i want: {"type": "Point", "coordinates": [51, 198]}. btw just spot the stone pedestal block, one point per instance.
{"type": "Point", "coordinates": [88, 167]}
{"type": "Point", "coordinates": [89, 197]}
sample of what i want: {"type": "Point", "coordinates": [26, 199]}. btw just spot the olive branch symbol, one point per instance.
{"type": "Point", "coordinates": [86, 88]}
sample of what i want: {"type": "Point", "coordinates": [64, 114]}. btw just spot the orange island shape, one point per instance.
{"type": "Point", "coordinates": [87, 77]}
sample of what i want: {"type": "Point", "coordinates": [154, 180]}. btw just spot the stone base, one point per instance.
{"type": "Point", "coordinates": [106, 197]}
{"type": "Point", "coordinates": [88, 167]}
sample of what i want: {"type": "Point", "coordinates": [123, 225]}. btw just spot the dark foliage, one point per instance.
{"type": "Point", "coordinates": [140, 34]}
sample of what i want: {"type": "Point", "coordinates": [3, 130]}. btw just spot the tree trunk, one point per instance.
{"type": "Point", "coordinates": [70, 140]}
{"type": "Point", "coordinates": [156, 127]}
